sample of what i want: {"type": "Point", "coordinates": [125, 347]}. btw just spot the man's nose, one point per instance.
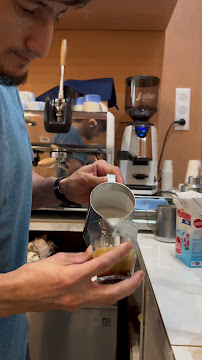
{"type": "Point", "coordinates": [40, 38]}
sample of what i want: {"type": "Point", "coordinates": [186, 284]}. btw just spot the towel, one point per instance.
{"type": "Point", "coordinates": [103, 87]}
{"type": "Point", "coordinates": [149, 204]}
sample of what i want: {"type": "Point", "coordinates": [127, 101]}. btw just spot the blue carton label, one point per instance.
{"type": "Point", "coordinates": [187, 222]}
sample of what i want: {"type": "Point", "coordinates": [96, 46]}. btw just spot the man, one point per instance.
{"type": "Point", "coordinates": [62, 281]}
{"type": "Point", "coordinates": [80, 132]}
{"type": "Point", "coordinates": [78, 159]}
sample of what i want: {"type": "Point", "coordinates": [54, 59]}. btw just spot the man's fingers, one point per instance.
{"type": "Point", "coordinates": [109, 294]}
{"type": "Point", "coordinates": [106, 261]}
{"type": "Point", "coordinates": [126, 287]}
{"type": "Point", "coordinates": [89, 251]}
{"type": "Point", "coordinates": [71, 258]}
{"type": "Point", "coordinates": [103, 168]}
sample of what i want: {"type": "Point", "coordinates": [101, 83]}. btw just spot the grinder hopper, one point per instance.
{"type": "Point", "coordinates": [58, 113]}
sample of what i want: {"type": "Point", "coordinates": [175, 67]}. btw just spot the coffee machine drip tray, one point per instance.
{"type": "Point", "coordinates": [142, 189]}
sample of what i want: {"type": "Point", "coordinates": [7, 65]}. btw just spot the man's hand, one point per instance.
{"type": "Point", "coordinates": [63, 281]}
{"type": "Point", "coordinates": [78, 186]}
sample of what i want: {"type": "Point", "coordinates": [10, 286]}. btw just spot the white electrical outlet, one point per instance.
{"type": "Point", "coordinates": [182, 107]}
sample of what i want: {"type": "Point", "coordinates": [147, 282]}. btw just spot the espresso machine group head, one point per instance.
{"type": "Point", "coordinates": [138, 155]}
{"type": "Point", "coordinates": [58, 112]}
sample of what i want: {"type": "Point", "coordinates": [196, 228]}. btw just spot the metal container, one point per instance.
{"type": "Point", "coordinates": [165, 227]}
{"type": "Point", "coordinates": [109, 200]}
{"type": "Point", "coordinates": [166, 223]}
{"type": "Point", "coordinates": [194, 183]}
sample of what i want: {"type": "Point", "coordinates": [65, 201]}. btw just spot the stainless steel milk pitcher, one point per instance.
{"type": "Point", "coordinates": [109, 200]}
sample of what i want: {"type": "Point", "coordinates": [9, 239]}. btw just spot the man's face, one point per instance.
{"type": "Point", "coordinates": [26, 28]}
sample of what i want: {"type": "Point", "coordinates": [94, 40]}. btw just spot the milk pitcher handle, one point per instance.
{"type": "Point", "coordinates": [111, 178]}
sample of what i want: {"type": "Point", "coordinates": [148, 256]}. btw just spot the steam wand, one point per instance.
{"type": "Point", "coordinates": [59, 101]}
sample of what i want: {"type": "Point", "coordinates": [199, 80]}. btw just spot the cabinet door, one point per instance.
{"type": "Point", "coordinates": [154, 341]}
{"type": "Point", "coordinates": [87, 334]}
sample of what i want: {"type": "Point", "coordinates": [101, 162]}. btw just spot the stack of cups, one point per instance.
{"type": "Point", "coordinates": [79, 104]}
{"type": "Point", "coordinates": [26, 97]}
{"type": "Point", "coordinates": [167, 175]}
{"type": "Point", "coordinates": [92, 103]}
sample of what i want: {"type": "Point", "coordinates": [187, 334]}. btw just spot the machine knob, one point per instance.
{"type": "Point", "coordinates": [92, 123]}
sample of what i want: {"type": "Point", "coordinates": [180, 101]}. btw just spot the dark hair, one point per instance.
{"type": "Point", "coordinates": [75, 3]}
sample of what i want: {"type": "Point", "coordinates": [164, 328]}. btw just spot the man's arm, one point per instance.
{"type": "Point", "coordinates": [63, 281]}
{"type": "Point", "coordinates": [42, 191]}
{"type": "Point", "coordinates": [75, 188]}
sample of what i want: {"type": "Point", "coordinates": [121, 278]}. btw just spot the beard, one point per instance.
{"type": "Point", "coordinates": [8, 80]}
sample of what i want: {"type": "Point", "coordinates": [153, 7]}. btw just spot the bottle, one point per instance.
{"type": "Point", "coordinates": [167, 176]}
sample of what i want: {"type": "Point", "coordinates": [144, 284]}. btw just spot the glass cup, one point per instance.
{"type": "Point", "coordinates": [105, 235]}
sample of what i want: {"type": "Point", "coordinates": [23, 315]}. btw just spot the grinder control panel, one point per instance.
{"type": "Point", "coordinates": [141, 131]}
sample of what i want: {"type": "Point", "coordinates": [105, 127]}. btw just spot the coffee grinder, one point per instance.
{"type": "Point", "coordinates": [138, 155]}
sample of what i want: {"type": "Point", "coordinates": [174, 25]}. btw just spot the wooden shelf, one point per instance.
{"type": "Point", "coordinates": [119, 15]}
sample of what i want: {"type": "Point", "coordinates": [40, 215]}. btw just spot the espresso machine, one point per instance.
{"type": "Point", "coordinates": [138, 155]}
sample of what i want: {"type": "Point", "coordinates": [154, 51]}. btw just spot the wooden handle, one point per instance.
{"type": "Point", "coordinates": [54, 147]}
{"type": "Point", "coordinates": [63, 52]}
{"type": "Point", "coordinates": [47, 162]}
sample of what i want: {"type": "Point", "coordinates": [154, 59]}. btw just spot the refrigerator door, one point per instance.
{"type": "Point", "coordinates": [89, 334]}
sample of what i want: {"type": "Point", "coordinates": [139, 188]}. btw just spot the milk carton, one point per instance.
{"type": "Point", "coordinates": [189, 228]}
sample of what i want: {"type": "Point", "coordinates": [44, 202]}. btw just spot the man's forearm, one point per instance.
{"type": "Point", "coordinates": [8, 289]}
{"type": "Point", "coordinates": [42, 191]}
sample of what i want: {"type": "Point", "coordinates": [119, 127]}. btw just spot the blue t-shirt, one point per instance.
{"type": "Point", "coordinates": [15, 209]}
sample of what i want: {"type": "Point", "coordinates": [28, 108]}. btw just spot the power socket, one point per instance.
{"type": "Point", "coordinates": [182, 107]}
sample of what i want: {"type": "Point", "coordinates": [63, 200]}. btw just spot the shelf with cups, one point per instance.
{"type": "Point", "coordinates": [42, 144]}
{"type": "Point", "coordinates": [93, 119]}
{"type": "Point", "coordinates": [75, 114]}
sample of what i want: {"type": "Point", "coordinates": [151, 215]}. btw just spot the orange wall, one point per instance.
{"type": "Point", "coordinates": [118, 54]}
{"type": "Point", "coordinates": [182, 68]}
